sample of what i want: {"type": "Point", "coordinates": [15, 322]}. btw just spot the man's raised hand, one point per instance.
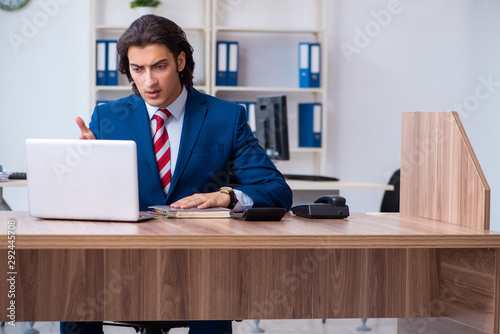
{"type": "Point", "coordinates": [85, 132]}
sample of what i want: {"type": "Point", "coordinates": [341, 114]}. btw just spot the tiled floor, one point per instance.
{"type": "Point", "coordinates": [332, 326]}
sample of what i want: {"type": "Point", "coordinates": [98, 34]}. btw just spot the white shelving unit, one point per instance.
{"type": "Point", "coordinates": [247, 33]}
{"type": "Point", "coordinates": [213, 20]}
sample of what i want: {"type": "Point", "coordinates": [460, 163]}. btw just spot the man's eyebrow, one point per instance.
{"type": "Point", "coordinates": [157, 63]}
{"type": "Point", "coordinates": [160, 61]}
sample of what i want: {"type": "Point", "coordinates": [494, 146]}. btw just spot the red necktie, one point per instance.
{"type": "Point", "coordinates": [162, 148]}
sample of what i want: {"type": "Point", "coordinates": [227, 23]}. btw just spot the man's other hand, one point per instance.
{"type": "Point", "coordinates": [85, 132]}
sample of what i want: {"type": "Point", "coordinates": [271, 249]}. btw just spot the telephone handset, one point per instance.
{"type": "Point", "coordinates": [334, 200]}
{"type": "Point", "coordinates": [330, 207]}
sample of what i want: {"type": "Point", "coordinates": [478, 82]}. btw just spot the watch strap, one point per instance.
{"type": "Point", "coordinates": [232, 196]}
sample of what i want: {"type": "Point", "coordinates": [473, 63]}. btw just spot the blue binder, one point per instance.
{"type": "Point", "coordinates": [315, 65]}
{"type": "Point", "coordinates": [101, 57]}
{"type": "Point", "coordinates": [232, 63]}
{"type": "Point", "coordinates": [310, 119]}
{"type": "Point", "coordinates": [304, 73]}
{"type": "Point", "coordinates": [309, 65]}
{"type": "Point", "coordinates": [221, 64]}
{"type": "Point", "coordinates": [112, 62]}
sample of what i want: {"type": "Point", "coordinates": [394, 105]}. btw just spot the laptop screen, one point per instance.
{"type": "Point", "coordinates": [82, 179]}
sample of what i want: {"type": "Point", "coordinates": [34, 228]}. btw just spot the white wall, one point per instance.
{"type": "Point", "coordinates": [45, 78]}
{"type": "Point", "coordinates": [428, 55]}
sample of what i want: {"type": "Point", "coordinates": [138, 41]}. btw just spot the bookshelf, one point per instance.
{"type": "Point", "coordinates": [260, 51]}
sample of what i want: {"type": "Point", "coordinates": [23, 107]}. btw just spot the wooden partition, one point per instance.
{"type": "Point", "coordinates": [440, 176]}
{"type": "Point", "coordinates": [441, 179]}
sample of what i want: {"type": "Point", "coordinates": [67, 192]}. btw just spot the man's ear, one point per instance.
{"type": "Point", "coordinates": [181, 61]}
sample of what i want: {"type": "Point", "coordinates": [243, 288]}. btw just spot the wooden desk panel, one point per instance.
{"type": "Point", "coordinates": [468, 296]}
{"type": "Point", "coordinates": [212, 284]}
{"type": "Point", "coordinates": [441, 177]}
{"type": "Point", "coordinates": [365, 266]}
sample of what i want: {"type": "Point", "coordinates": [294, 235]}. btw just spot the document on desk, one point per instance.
{"type": "Point", "coordinates": [191, 213]}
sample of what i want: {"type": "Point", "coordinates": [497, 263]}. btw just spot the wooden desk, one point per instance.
{"type": "Point", "coordinates": [336, 185]}
{"type": "Point", "coordinates": [437, 261]}
{"type": "Point", "coordinates": [365, 266]}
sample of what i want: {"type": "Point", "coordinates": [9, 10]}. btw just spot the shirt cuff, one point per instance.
{"type": "Point", "coordinates": [244, 201]}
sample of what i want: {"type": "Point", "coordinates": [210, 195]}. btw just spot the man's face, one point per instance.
{"type": "Point", "coordinates": [155, 72]}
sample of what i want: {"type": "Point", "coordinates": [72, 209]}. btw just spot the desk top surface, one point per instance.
{"type": "Point", "coordinates": [336, 185]}
{"type": "Point", "coordinates": [358, 231]}
{"type": "Point", "coordinates": [14, 183]}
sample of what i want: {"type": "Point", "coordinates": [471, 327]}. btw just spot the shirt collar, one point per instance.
{"type": "Point", "coordinates": [175, 108]}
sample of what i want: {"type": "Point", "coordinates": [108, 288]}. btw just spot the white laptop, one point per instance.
{"type": "Point", "coordinates": [83, 179]}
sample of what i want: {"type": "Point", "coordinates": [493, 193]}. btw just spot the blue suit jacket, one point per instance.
{"type": "Point", "coordinates": [215, 140]}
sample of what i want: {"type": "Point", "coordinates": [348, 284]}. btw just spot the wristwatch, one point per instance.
{"type": "Point", "coordinates": [232, 196]}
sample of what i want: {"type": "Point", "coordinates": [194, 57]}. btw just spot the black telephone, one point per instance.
{"type": "Point", "coordinates": [328, 207]}
{"type": "Point", "coordinates": [260, 214]}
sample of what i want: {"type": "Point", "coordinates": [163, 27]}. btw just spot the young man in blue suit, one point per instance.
{"type": "Point", "coordinates": [209, 138]}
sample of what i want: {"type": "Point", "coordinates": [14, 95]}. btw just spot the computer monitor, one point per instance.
{"type": "Point", "coordinates": [272, 126]}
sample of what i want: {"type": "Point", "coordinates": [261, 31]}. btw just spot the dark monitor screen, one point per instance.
{"type": "Point", "coordinates": [272, 126]}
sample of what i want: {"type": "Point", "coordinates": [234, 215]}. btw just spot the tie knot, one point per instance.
{"type": "Point", "coordinates": [161, 115]}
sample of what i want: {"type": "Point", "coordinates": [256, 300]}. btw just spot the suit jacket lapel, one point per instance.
{"type": "Point", "coordinates": [193, 121]}
{"type": "Point", "coordinates": [139, 122]}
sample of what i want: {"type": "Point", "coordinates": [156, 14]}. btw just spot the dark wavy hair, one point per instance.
{"type": "Point", "coordinates": [153, 29]}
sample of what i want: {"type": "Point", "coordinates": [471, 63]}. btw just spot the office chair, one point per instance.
{"type": "Point", "coordinates": [390, 203]}
{"type": "Point", "coordinates": [149, 327]}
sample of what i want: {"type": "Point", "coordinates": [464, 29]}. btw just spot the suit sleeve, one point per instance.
{"type": "Point", "coordinates": [94, 123]}
{"type": "Point", "coordinates": [256, 173]}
